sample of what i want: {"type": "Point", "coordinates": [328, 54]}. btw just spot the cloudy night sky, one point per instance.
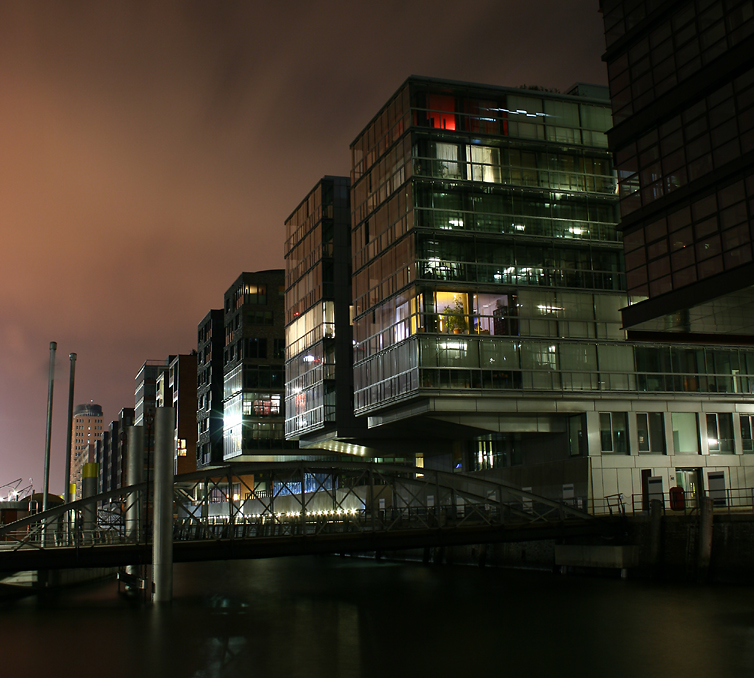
{"type": "Point", "coordinates": [150, 152]}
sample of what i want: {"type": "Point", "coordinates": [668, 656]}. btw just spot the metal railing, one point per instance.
{"type": "Point", "coordinates": [336, 498]}
{"type": "Point", "coordinates": [729, 500]}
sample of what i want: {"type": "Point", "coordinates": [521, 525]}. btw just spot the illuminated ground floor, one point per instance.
{"type": "Point", "coordinates": [600, 453]}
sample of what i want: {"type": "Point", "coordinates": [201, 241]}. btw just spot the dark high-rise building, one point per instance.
{"type": "Point", "coordinates": [254, 367]}
{"type": "Point", "coordinates": [682, 87]}
{"type": "Point", "coordinates": [182, 383]}
{"type": "Point", "coordinates": [318, 299]}
{"type": "Point", "coordinates": [209, 391]}
{"type": "Point", "coordinates": [111, 452]}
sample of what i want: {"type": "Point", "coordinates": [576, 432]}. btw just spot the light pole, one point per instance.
{"type": "Point", "coordinates": [46, 489]}
{"type": "Point", "coordinates": [67, 494]}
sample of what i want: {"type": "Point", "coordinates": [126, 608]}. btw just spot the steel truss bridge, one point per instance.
{"type": "Point", "coordinates": [260, 510]}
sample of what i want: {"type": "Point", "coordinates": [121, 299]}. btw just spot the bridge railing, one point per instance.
{"type": "Point", "coordinates": [677, 502]}
{"type": "Point", "coordinates": [284, 498]}
{"type": "Point", "coordinates": [102, 519]}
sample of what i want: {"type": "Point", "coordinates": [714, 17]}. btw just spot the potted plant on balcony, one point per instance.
{"type": "Point", "coordinates": [455, 318]}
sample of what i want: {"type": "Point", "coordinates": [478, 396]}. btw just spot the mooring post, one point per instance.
{"type": "Point", "coordinates": [162, 543]}
{"type": "Point", "coordinates": [705, 538]}
{"type": "Point", "coordinates": [302, 522]}
{"type": "Point", "coordinates": [134, 474]}
{"type": "Point", "coordinates": [655, 533]}
{"type": "Point", "coordinates": [69, 437]}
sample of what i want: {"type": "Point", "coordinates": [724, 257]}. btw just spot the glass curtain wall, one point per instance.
{"type": "Point", "coordinates": [310, 313]}
{"type": "Point", "coordinates": [486, 255]}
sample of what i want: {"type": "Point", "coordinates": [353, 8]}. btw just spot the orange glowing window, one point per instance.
{"type": "Point", "coordinates": [441, 111]}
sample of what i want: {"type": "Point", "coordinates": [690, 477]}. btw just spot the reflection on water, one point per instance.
{"type": "Point", "coordinates": [349, 617]}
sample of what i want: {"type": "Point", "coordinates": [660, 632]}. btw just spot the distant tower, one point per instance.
{"type": "Point", "coordinates": [87, 428]}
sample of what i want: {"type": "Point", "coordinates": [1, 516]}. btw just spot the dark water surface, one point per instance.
{"type": "Point", "coordinates": [352, 617]}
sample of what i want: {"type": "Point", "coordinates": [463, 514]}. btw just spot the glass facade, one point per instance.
{"type": "Point", "coordinates": [315, 287]}
{"type": "Point", "coordinates": [486, 254]}
{"type": "Point", "coordinates": [699, 239]}
{"type": "Point", "coordinates": [682, 88]}
{"type": "Point", "coordinates": [253, 373]}
{"type": "Point", "coordinates": [673, 50]}
{"type": "Point", "coordinates": [714, 131]}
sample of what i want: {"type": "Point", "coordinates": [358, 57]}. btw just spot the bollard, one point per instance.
{"type": "Point", "coordinates": [162, 547]}
{"type": "Point", "coordinates": [655, 532]}
{"type": "Point", "coordinates": [134, 473]}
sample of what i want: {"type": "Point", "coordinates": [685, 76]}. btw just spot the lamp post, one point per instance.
{"type": "Point", "coordinates": [48, 438]}
{"type": "Point", "coordinates": [67, 494]}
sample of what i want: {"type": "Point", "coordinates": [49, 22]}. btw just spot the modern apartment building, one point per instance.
{"type": "Point", "coordinates": [488, 280]}
{"type": "Point", "coordinates": [182, 385]}
{"type": "Point", "coordinates": [254, 367]}
{"type": "Point", "coordinates": [318, 298]}
{"type": "Point", "coordinates": [87, 428]}
{"type": "Point", "coordinates": [209, 390]}
{"type": "Point", "coordinates": [146, 401]}
{"type": "Point", "coordinates": [682, 86]}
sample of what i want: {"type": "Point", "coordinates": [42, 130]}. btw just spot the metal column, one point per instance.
{"type": "Point", "coordinates": [50, 385]}
{"type": "Point", "coordinates": [67, 495]}
{"type": "Point", "coordinates": [162, 547]}
{"type": "Point", "coordinates": [134, 473]}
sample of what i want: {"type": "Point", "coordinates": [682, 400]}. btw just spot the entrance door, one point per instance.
{"type": "Point", "coordinates": [688, 480]}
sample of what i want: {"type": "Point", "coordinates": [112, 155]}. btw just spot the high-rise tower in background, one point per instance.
{"type": "Point", "coordinates": [87, 429]}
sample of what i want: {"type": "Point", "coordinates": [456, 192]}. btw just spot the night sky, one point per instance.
{"type": "Point", "coordinates": [150, 152]}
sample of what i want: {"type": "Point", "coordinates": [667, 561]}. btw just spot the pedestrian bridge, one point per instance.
{"type": "Point", "coordinates": [259, 510]}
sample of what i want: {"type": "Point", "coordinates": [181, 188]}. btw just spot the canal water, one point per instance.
{"type": "Point", "coordinates": [329, 616]}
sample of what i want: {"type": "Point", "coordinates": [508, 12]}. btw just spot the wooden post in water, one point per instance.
{"type": "Point", "coordinates": [655, 533]}
{"type": "Point", "coordinates": [705, 539]}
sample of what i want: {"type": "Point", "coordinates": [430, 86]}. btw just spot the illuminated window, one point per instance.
{"type": "Point", "coordinates": [441, 113]}
{"type": "Point", "coordinates": [720, 433]}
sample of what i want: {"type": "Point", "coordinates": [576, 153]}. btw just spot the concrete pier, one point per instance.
{"type": "Point", "coordinates": [162, 550]}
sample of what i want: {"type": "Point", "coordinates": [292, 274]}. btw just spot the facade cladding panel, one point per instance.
{"type": "Point", "coordinates": [682, 88]}
{"type": "Point", "coordinates": [254, 366]}
{"type": "Point", "coordinates": [318, 290]}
